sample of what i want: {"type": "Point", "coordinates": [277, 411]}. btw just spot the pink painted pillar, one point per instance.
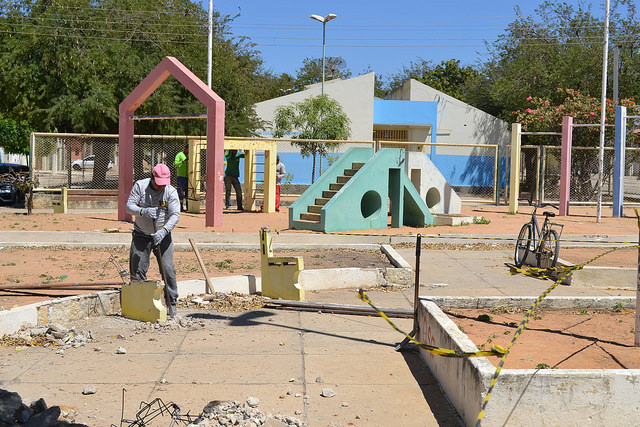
{"type": "Point", "coordinates": [215, 164]}
{"type": "Point", "coordinates": [125, 162]}
{"type": "Point", "coordinates": [565, 165]}
{"type": "Point", "coordinates": [215, 135]}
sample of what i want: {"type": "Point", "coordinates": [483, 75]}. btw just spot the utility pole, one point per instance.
{"type": "Point", "coordinates": [603, 109]}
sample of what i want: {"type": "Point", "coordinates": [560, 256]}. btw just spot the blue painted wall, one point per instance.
{"type": "Point", "coordinates": [458, 170]}
{"type": "Point", "coordinates": [408, 113]}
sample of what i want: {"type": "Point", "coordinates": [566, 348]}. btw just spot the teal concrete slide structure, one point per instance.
{"type": "Point", "coordinates": [354, 194]}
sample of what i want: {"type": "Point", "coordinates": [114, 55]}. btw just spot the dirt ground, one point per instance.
{"type": "Point", "coordinates": [563, 339]}
{"type": "Point", "coordinates": [55, 266]}
{"type": "Point", "coordinates": [582, 221]}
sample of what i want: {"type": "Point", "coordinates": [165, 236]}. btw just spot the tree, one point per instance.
{"type": "Point", "coordinates": [559, 46]}
{"type": "Point", "coordinates": [311, 72]}
{"type": "Point", "coordinates": [544, 115]}
{"type": "Point", "coordinates": [448, 77]}
{"type": "Point", "coordinates": [14, 136]}
{"type": "Point", "coordinates": [65, 65]}
{"type": "Point", "coordinates": [318, 117]}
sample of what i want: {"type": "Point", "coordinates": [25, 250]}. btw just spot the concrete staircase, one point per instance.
{"type": "Point", "coordinates": [313, 213]}
{"type": "Point", "coordinates": [355, 194]}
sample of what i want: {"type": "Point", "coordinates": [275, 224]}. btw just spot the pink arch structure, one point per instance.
{"type": "Point", "coordinates": [215, 135]}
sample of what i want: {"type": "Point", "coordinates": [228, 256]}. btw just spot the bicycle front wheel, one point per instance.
{"type": "Point", "coordinates": [523, 245]}
{"type": "Point", "coordinates": [548, 254]}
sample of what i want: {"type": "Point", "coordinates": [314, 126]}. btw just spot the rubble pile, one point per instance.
{"type": "Point", "coordinates": [50, 335]}
{"type": "Point", "coordinates": [13, 412]}
{"type": "Point", "coordinates": [224, 302]}
{"type": "Point", "coordinates": [217, 413]}
{"type": "Point", "coordinates": [177, 323]}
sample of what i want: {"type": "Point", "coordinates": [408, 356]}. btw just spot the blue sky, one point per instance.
{"type": "Point", "coordinates": [382, 35]}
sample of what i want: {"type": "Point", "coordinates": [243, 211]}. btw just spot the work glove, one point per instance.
{"type": "Point", "coordinates": [159, 235]}
{"type": "Point", "coordinates": [149, 212]}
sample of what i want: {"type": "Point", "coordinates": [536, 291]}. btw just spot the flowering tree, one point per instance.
{"type": "Point", "coordinates": [543, 116]}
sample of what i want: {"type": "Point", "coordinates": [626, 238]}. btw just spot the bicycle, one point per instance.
{"type": "Point", "coordinates": [543, 242]}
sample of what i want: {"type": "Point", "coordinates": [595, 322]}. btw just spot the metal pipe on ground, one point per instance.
{"type": "Point", "coordinates": [337, 308]}
{"type": "Point", "coordinates": [74, 285]}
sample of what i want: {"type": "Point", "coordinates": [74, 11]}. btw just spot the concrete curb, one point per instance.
{"type": "Point", "coordinates": [552, 302]}
{"type": "Point", "coordinates": [524, 396]}
{"type": "Point", "coordinates": [102, 303]}
{"type": "Point", "coordinates": [108, 302]}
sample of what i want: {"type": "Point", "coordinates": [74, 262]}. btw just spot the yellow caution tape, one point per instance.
{"type": "Point", "coordinates": [558, 273]}
{"type": "Point", "coordinates": [496, 350]}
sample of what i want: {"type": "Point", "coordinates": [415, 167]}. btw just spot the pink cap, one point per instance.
{"type": "Point", "coordinates": [161, 174]}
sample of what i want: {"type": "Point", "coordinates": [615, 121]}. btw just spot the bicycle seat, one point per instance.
{"type": "Point", "coordinates": [548, 214]}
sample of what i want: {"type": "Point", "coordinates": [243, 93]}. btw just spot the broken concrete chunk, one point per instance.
{"type": "Point", "coordinates": [121, 350]}
{"type": "Point", "coordinates": [253, 401]}
{"type": "Point", "coordinates": [327, 392]}
{"type": "Point", "coordinates": [54, 327]}
{"type": "Point", "coordinates": [89, 389]}
{"type": "Point", "coordinates": [38, 331]}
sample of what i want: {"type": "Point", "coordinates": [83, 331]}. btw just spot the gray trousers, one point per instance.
{"type": "Point", "coordinates": [140, 254]}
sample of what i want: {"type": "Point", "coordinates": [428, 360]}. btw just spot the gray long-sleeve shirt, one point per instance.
{"type": "Point", "coordinates": [144, 196]}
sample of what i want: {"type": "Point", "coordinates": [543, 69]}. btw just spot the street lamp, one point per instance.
{"type": "Point", "coordinates": [324, 21]}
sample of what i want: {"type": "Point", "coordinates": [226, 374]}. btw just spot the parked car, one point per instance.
{"type": "Point", "coordinates": [87, 163]}
{"type": "Point", "coordinates": [9, 193]}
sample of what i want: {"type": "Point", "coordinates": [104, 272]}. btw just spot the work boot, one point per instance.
{"type": "Point", "coordinates": [172, 311]}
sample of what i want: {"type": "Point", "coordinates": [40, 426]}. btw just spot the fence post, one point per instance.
{"type": "Point", "coordinates": [618, 160]}
{"type": "Point", "coordinates": [496, 176]}
{"type": "Point", "coordinates": [565, 165]}
{"type": "Point", "coordinates": [636, 331]}
{"type": "Point", "coordinates": [514, 172]}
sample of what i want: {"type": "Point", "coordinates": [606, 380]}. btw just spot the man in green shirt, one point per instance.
{"type": "Point", "coordinates": [231, 174]}
{"type": "Point", "coordinates": [181, 164]}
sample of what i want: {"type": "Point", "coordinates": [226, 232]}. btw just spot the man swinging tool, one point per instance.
{"type": "Point", "coordinates": [156, 205]}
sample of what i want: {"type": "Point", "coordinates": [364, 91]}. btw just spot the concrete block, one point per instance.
{"type": "Point", "coordinates": [452, 219]}
{"type": "Point", "coordinates": [245, 284]}
{"type": "Point", "coordinates": [339, 278]}
{"type": "Point", "coordinates": [10, 320]}
{"type": "Point", "coordinates": [394, 257]}
{"type": "Point", "coordinates": [279, 274]}
{"type": "Point", "coordinates": [399, 276]}
{"type": "Point", "coordinates": [142, 300]}
{"type": "Point", "coordinates": [60, 206]}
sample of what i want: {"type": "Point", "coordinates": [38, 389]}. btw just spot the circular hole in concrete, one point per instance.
{"type": "Point", "coordinates": [370, 204]}
{"type": "Point", "coordinates": [433, 197]}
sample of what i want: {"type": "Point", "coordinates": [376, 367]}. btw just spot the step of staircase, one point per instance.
{"type": "Point", "coordinates": [357, 165]}
{"type": "Point", "coordinates": [342, 179]}
{"type": "Point", "coordinates": [314, 208]}
{"type": "Point", "coordinates": [322, 201]}
{"type": "Point", "coordinates": [306, 225]}
{"type": "Point", "coordinates": [309, 216]}
{"type": "Point", "coordinates": [350, 172]}
{"type": "Point", "coordinates": [328, 193]}
{"type": "Point", "coordinates": [336, 186]}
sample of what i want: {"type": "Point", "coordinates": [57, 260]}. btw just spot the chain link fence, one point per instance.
{"type": "Point", "coordinates": [540, 174]}
{"type": "Point", "coordinates": [81, 161]}
{"type": "Point", "coordinates": [92, 161]}
{"type": "Point", "coordinates": [476, 172]}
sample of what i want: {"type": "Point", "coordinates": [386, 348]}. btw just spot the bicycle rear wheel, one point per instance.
{"type": "Point", "coordinates": [548, 254]}
{"type": "Point", "coordinates": [523, 245]}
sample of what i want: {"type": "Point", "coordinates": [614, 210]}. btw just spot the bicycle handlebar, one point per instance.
{"type": "Point", "coordinates": [544, 205]}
